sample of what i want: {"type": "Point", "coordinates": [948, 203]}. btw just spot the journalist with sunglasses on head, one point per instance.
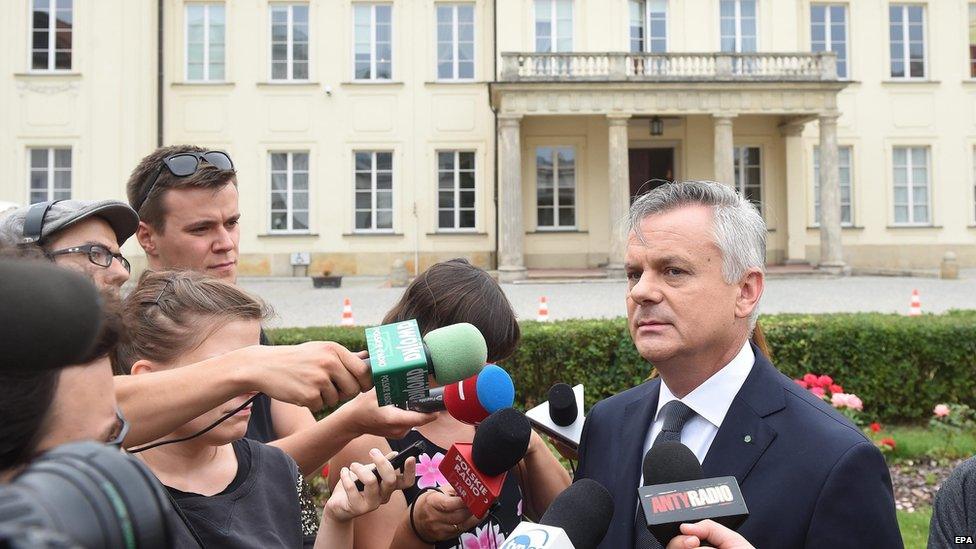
{"type": "Point", "coordinates": [187, 199]}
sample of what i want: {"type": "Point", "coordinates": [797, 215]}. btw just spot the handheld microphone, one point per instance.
{"type": "Point", "coordinates": [577, 519]}
{"type": "Point", "coordinates": [472, 400]}
{"type": "Point", "coordinates": [53, 316]}
{"type": "Point", "coordinates": [477, 470]}
{"type": "Point", "coordinates": [401, 359]}
{"type": "Point", "coordinates": [561, 417]}
{"type": "Point", "coordinates": [674, 492]}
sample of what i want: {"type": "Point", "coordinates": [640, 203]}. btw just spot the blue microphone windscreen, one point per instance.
{"type": "Point", "coordinates": [495, 389]}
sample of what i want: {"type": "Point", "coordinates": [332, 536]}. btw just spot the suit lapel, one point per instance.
{"type": "Point", "coordinates": [745, 435]}
{"type": "Point", "coordinates": [637, 419]}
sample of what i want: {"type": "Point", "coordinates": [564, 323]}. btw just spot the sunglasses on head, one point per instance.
{"type": "Point", "coordinates": [185, 164]}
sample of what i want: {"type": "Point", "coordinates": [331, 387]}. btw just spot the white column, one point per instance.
{"type": "Point", "coordinates": [796, 196]}
{"type": "Point", "coordinates": [831, 253]}
{"type": "Point", "coordinates": [511, 259]}
{"type": "Point", "coordinates": [724, 156]}
{"type": "Point", "coordinates": [619, 183]}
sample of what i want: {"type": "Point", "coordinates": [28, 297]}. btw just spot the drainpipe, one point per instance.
{"type": "Point", "coordinates": [159, 73]}
{"type": "Point", "coordinates": [494, 127]}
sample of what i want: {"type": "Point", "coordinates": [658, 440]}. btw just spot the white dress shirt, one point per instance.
{"type": "Point", "coordinates": [710, 401]}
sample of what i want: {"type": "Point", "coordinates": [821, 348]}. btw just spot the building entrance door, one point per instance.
{"type": "Point", "coordinates": [649, 169]}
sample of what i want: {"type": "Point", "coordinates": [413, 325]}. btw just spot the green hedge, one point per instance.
{"type": "Point", "coordinates": [899, 366]}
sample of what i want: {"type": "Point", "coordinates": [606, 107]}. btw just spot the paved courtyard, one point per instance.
{"type": "Point", "coordinates": [298, 304]}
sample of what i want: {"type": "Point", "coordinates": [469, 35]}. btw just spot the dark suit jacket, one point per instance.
{"type": "Point", "coordinates": [809, 477]}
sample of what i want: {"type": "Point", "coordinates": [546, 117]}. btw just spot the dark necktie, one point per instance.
{"type": "Point", "coordinates": [675, 414]}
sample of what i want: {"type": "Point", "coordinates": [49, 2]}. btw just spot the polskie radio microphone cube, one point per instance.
{"type": "Point", "coordinates": [561, 417]}
{"type": "Point", "coordinates": [674, 493]}
{"type": "Point", "coordinates": [577, 519]}
{"type": "Point", "coordinates": [401, 359]}
{"type": "Point", "coordinates": [472, 400]}
{"type": "Point", "coordinates": [477, 470]}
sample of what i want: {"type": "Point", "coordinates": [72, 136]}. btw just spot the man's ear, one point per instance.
{"type": "Point", "coordinates": [146, 236]}
{"type": "Point", "coordinates": [145, 367]}
{"type": "Point", "coordinates": [750, 290]}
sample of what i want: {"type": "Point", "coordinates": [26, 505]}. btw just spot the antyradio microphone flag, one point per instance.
{"type": "Point", "coordinates": [401, 358]}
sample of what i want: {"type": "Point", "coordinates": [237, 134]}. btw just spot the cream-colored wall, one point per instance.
{"type": "Point", "coordinates": [103, 108]}
{"type": "Point", "coordinates": [413, 115]}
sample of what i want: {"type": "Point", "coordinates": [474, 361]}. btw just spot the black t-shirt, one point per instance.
{"type": "Point", "coordinates": [261, 427]}
{"type": "Point", "coordinates": [501, 520]}
{"type": "Point", "coordinates": [261, 507]}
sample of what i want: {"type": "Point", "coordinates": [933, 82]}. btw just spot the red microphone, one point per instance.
{"type": "Point", "coordinates": [477, 470]}
{"type": "Point", "coordinates": [470, 400]}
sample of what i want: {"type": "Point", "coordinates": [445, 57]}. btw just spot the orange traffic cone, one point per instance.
{"type": "Point", "coordinates": [916, 307]}
{"type": "Point", "coordinates": [543, 310]}
{"type": "Point", "coordinates": [347, 313]}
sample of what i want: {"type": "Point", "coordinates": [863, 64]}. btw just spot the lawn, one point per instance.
{"type": "Point", "coordinates": [919, 441]}
{"type": "Point", "coordinates": [915, 527]}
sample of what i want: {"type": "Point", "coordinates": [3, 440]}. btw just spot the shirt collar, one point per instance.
{"type": "Point", "coordinates": [712, 399]}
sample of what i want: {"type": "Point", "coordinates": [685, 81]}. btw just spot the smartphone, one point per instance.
{"type": "Point", "coordinates": [414, 450]}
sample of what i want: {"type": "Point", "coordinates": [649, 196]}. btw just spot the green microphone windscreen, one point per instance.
{"type": "Point", "coordinates": [457, 352]}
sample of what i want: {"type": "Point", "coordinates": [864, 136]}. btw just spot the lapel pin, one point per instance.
{"type": "Point", "coordinates": [747, 439]}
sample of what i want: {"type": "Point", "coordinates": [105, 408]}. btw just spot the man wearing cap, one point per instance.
{"type": "Point", "coordinates": [187, 199]}
{"type": "Point", "coordinates": [81, 235]}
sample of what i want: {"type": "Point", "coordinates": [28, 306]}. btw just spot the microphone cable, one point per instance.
{"type": "Point", "coordinates": [207, 429]}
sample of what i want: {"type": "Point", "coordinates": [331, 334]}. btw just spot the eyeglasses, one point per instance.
{"type": "Point", "coordinates": [97, 254]}
{"type": "Point", "coordinates": [120, 431]}
{"type": "Point", "coordinates": [186, 164]}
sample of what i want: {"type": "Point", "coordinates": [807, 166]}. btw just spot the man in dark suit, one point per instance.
{"type": "Point", "coordinates": [695, 260]}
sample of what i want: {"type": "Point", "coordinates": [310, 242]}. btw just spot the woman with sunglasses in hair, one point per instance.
{"type": "Point", "coordinates": [448, 293]}
{"type": "Point", "coordinates": [233, 491]}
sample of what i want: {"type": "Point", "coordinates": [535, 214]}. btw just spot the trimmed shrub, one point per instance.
{"type": "Point", "coordinates": [899, 366]}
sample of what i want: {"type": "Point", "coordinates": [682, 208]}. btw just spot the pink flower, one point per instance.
{"type": "Point", "coordinates": [834, 388]}
{"type": "Point", "coordinates": [819, 391]}
{"type": "Point", "coordinates": [428, 474]}
{"type": "Point", "coordinates": [941, 410]}
{"type": "Point", "coordinates": [810, 380]}
{"type": "Point", "coordinates": [838, 400]}
{"type": "Point", "coordinates": [825, 381]}
{"type": "Point", "coordinates": [801, 383]}
{"type": "Point", "coordinates": [488, 537]}
{"type": "Point", "coordinates": [854, 402]}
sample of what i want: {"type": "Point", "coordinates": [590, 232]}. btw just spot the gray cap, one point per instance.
{"type": "Point", "coordinates": [65, 213]}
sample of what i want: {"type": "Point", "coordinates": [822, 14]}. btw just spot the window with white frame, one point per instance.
{"type": "Point", "coordinates": [747, 162]}
{"type": "Point", "coordinates": [374, 190]}
{"type": "Point", "coordinates": [553, 26]}
{"type": "Point", "coordinates": [455, 190]}
{"type": "Point", "coordinates": [373, 36]}
{"type": "Point", "coordinates": [52, 25]}
{"type": "Point", "coordinates": [649, 26]}
{"type": "Point", "coordinates": [911, 185]}
{"type": "Point", "coordinates": [205, 32]}
{"type": "Point", "coordinates": [289, 191]}
{"type": "Point", "coordinates": [289, 41]}
{"type": "Point", "coordinates": [738, 26]}
{"type": "Point", "coordinates": [844, 169]}
{"type": "Point", "coordinates": [50, 174]}
{"type": "Point", "coordinates": [455, 41]}
{"type": "Point", "coordinates": [828, 32]}
{"type": "Point", "coordinates": [555, 176]}
{"type": "Point", "coordinates": [907, 34]}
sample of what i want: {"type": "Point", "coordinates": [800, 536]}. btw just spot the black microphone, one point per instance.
{"type": "Point", "coordinates": [675, 492]}
{"type": "Point", "coordinates": [50, 316]}
{"type": "Point", "coordinates": [577, 519]}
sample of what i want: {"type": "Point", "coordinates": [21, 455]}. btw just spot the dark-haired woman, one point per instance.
{"type": "Point", "coordinates": [447, 293]}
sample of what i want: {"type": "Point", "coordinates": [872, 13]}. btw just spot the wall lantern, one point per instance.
{"type": "Point", "coordinates": [657, 126]}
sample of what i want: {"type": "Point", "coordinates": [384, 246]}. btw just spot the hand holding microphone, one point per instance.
{"type": "Point", "coordinates": [708, 531]}
{"type": "Point", "coordinates": [471, 400]}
